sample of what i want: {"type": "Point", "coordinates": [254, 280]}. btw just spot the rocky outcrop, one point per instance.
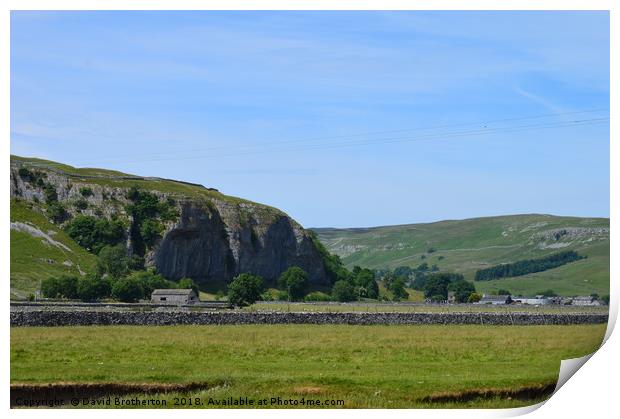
{"type": "Point", "coordinates": [214, 238]}
{"type": "Point", "coordinates": [221, 241]}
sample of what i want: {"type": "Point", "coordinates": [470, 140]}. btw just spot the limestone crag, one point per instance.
{"type": "Point", "coordinates": [214, 237]}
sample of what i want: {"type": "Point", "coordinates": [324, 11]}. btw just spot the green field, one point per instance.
{"type": "Point", "coordinates": [366, 366]}
{"type": "Point", "coordinates": [465, 246]}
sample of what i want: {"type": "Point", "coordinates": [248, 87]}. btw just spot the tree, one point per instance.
{"type": "Point", "coordinates": [436, 285]}
{"type": "Point", "coordinates": [317, 296]}
{"type": "Point", "coordinates": [150, 230]}
{"type": "Point", "coordinates": [548, 293]}
{"type": "Point", "coordinates": [93, 234]}
{"type": "Point", "coordinates": [91, 288]}
{"type": "Point", "coordinates": [150, 281]}
{"type": "Point", "coordinates": [294, 281]}
{"type": "Point", "coordinates": [86, 191]}
{"type": "Point", "coordinates": [364, 279]}
{"type": "Point", "coordinates": [64, 286]}
{"type": "Point", "coordinates": [245, 289]}
{"type": "Point", "coordinates": [56, 211]}
{"type": "Point", "coordinates": [343, 291]}
{"type": "Point", "coordinates": [147, 212]}
{"type": "Point", "coordinates": [186, 283]}
{"type": "Point", "coordinates": [398, 289]}
{"type": "Point", "coordinates": [112, 260]}
{"type": "Point", "coordinates": [524, 267]}
{"type": "Point", "coordinates": [474, 297]}
{"type": "Point", "coordinates": [462, 290]}
{"type": "Point", "coordinates": [128, 290]}
{"type": "Point", "coordinates": [333, 265]}
{"type": "Point", "coordinates": [404, 272]}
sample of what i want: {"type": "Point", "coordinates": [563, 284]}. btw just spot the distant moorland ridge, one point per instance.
{"type": "Point", "coordinates": [468, 246]}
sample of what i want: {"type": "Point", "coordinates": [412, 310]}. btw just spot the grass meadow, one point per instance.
{"type": "Point", "coordinates": [366, 366]}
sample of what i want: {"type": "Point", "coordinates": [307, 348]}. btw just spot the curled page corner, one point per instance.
{"type": "Point", "coordinates": [568, 367]}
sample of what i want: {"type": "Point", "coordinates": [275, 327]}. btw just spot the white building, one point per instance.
{"type": "Point", "coordinates": [174, 296]}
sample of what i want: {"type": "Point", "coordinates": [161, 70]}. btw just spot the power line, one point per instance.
{"type": "Point", "coordinates": [484, 124]}
{"type": "Point", "coordinates": [391, 140]}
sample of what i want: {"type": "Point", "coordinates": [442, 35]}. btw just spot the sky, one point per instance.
{"type": "Point", "coordinates": [340, 119]}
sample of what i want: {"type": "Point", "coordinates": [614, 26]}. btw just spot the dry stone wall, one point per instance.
{"type": "Point", "coordinates": [155, 318]}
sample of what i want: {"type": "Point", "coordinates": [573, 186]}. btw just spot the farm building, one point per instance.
{"type": "Point", "coordinates": [535, 301]}
{"type": "Point", "coordinates": [495, 299]}
{"type": "Point", "coordinates": [584, 301]}
{"type": "Point", "coordinates": [174, 296]}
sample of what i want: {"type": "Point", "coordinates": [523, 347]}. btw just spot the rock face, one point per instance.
{"type": "Point", "coordinates": [214, 244]}
{"type": "Point", "coordinates": [214, 238]}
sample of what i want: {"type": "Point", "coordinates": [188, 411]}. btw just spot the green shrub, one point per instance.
{"type": "Point", "coordinates": [24, 173]}
{"type": "Point", "coordinates": [437, 284]}
{"type": "Point", "coordinates": [245, 290]}
{"type": "Point", "coordinates": [148, 212]}
{"type": "Point", "coordinates": [462, 290]}
{"type": "Point", "coordinates": [128, 290]}
{"type": "Point", "coordinates": [92, 288]}
{"type": "Point", "coordinates": [150, 281]}
{"type": "Point", "coordinates": [334, 267]}
{"type": "Point", "coordinates": [150, 230]}
{"type": "Point", "coordinates": [93, 234]}
{"type": "Point", "coordinates": [80, 204]}
{"type": "Point", "coordinates": [135, 263]}
{"type": "Point", "coordinates": [294, 281]}
{"type": "Point", "coordinates": [49, 191]}
{"type": "Point", "coordinates": [64, 286]}
{"type": "Point", "coordinates": [112, 260]}
{"type": "Point", "coordinates": [56, 211]}
{"type": "Point", "coordinates": [364, 280]}
{"type": "Point", "coordinates": [343, 291]}
{"type": "Point", "coordinates": [474, 297]}
{"type": "Point", "coordinates": [86, 191]}
{"type": "Point", "coordinates": [397, 287]}
{"type": "Point", "coordinates": [547, 293]}
{"type": "Point", "coordinates": [317, 296]}
{"type": "Point", "coordinates": [187, 283]}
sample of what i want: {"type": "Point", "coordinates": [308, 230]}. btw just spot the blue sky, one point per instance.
{"type": "Point", "coordinates": [343, 119]}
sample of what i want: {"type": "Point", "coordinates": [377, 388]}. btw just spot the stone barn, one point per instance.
{"type": "Point", "coordinates": [174, 296]}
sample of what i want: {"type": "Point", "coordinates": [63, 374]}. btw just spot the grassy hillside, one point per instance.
{"type": "Point", "coordinates": [468, 245]}
{"type": "Point", "coordinates": [40, 248]}
{"type": "Point", "coordinates": [114, 178]}
{"type": "Point", "coordinates": [35, 257]}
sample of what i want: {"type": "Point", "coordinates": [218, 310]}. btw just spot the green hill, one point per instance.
{"type": "Point", "coordinates": [40, 249]}
{"type": "Point", "coordinates": [181, 229]}
{"type": "Point", "coordinates": [465, 246]}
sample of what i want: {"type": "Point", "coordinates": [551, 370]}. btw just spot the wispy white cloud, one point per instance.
{"type": "Point", "coordinates": [545, 103]}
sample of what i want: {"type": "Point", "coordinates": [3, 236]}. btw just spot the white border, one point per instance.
{"type": "Point", "coordinates": [592, 393]}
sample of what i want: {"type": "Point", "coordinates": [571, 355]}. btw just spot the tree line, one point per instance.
{"type": "Point", "coordinates": [524, 267]}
